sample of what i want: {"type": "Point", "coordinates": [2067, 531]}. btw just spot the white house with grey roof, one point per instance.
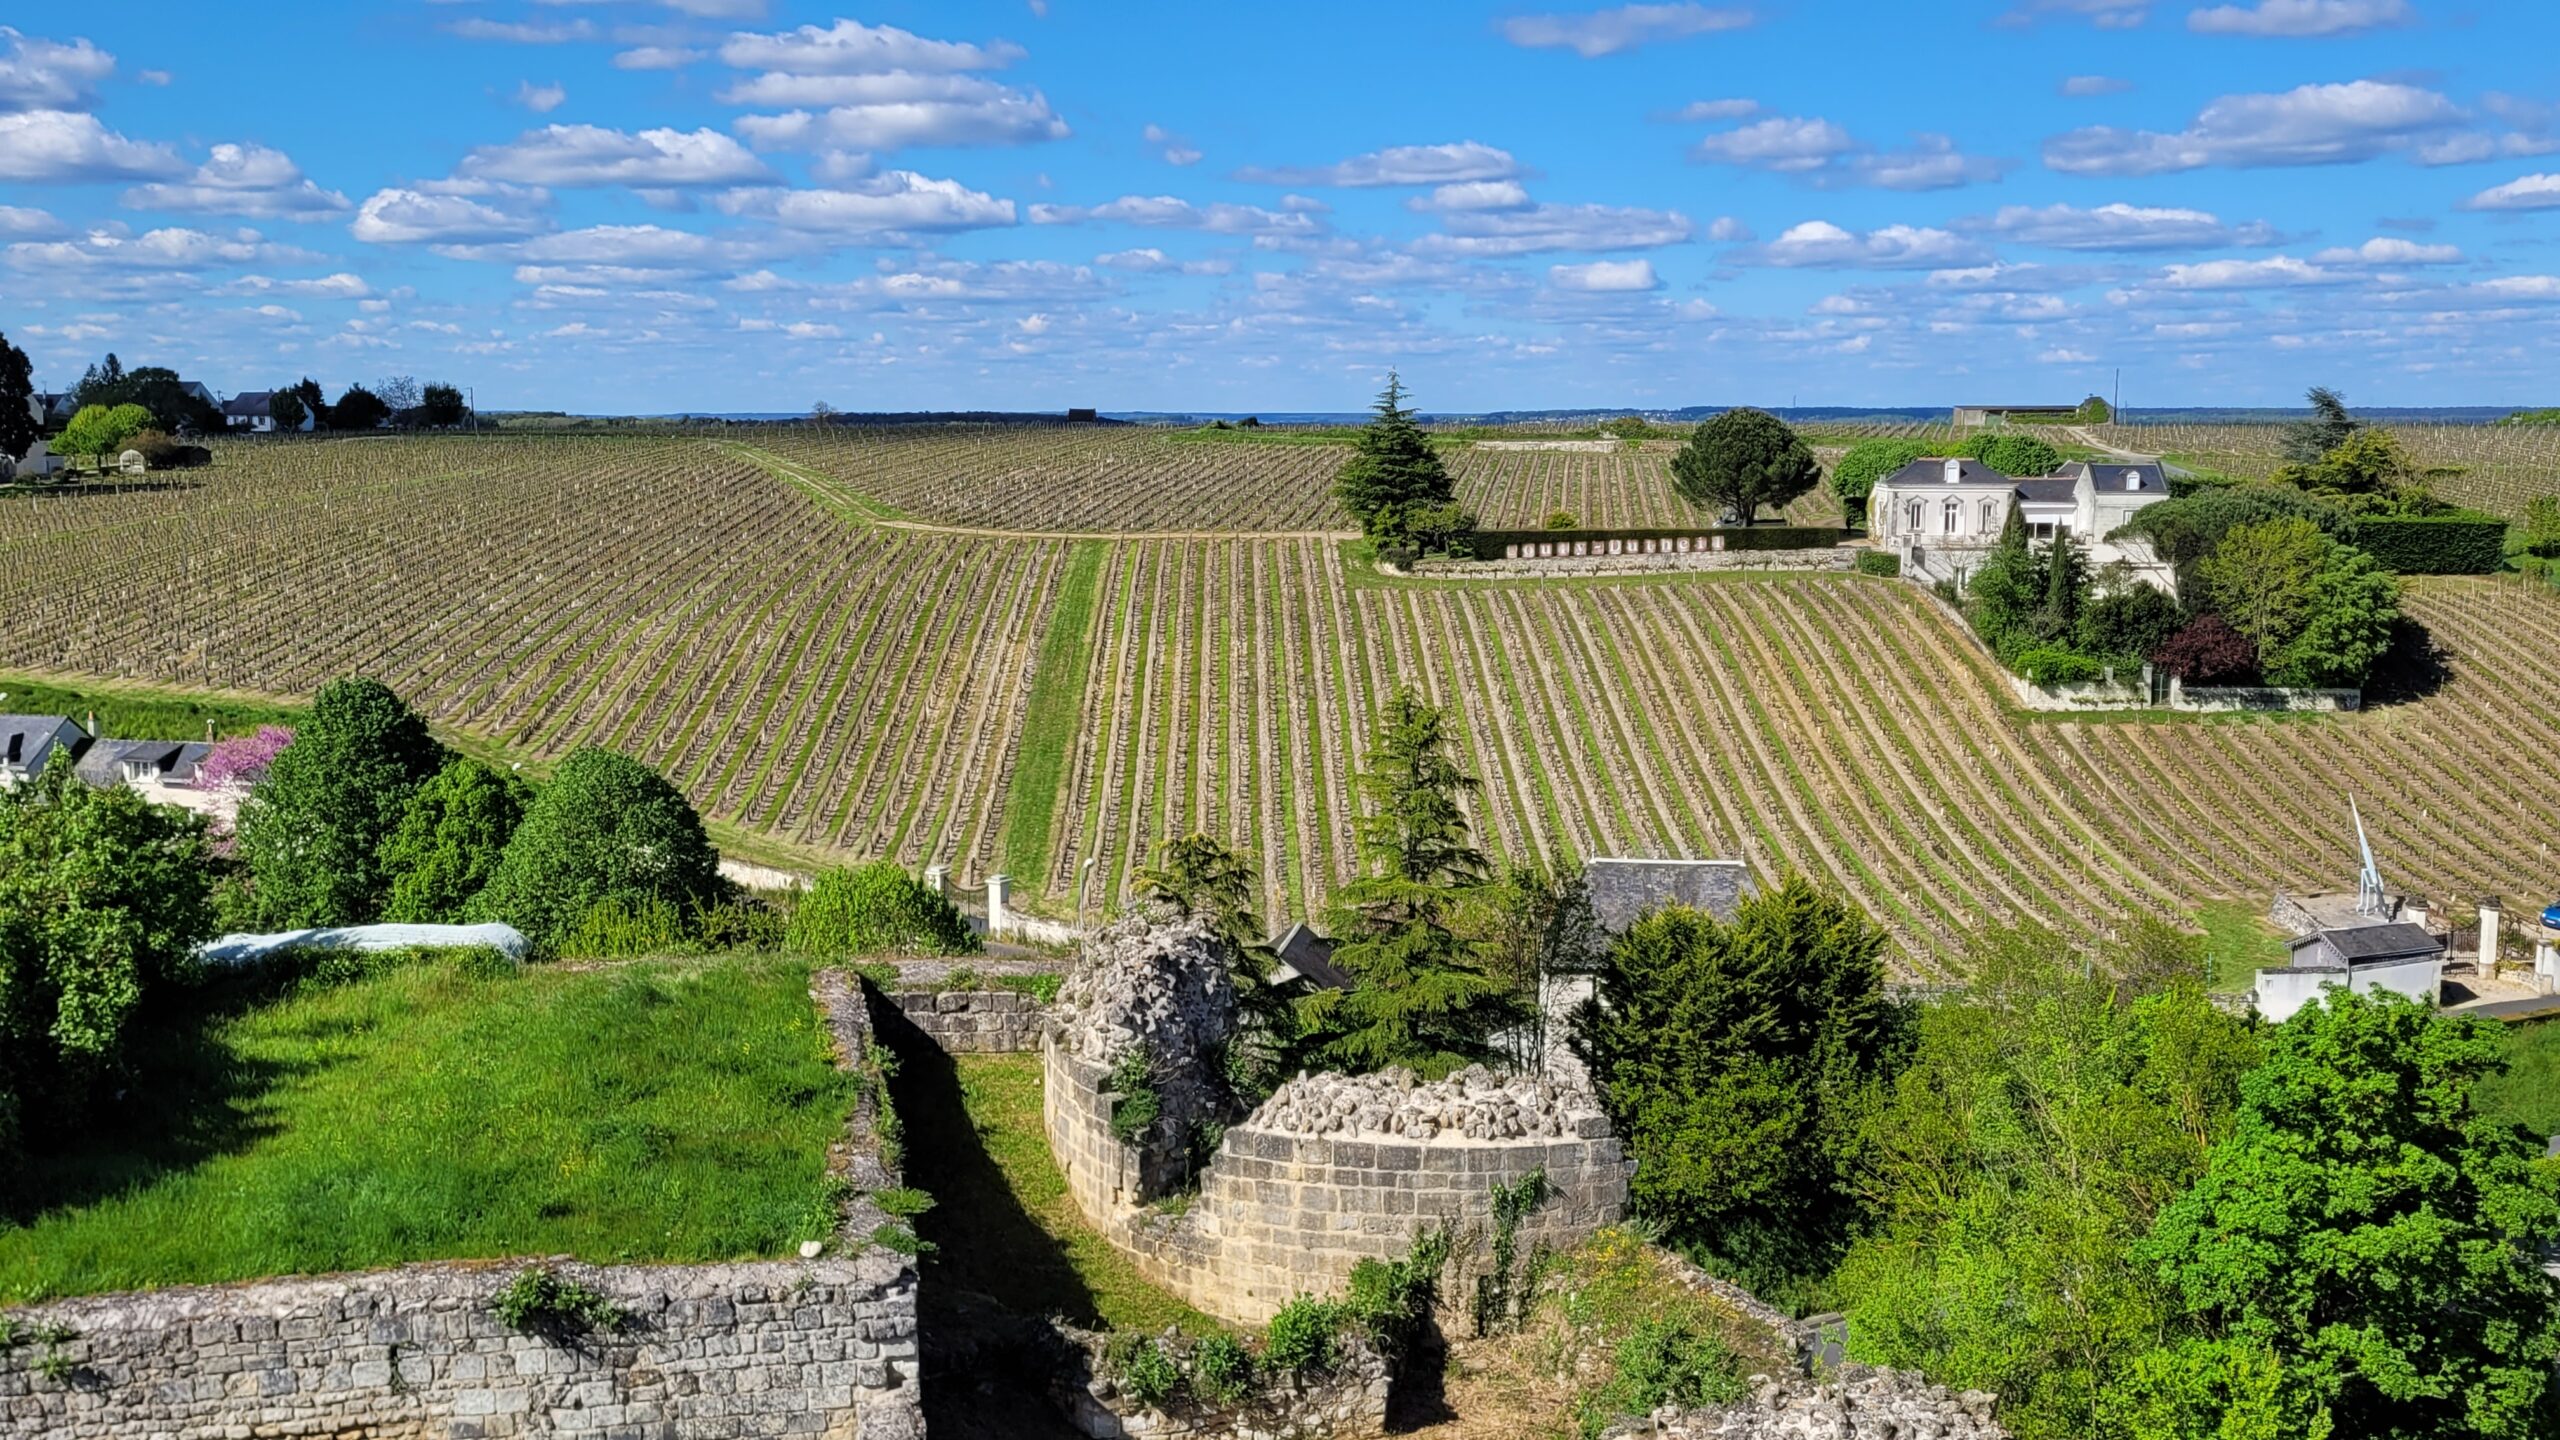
{"type": "Point", "coordinates": [28, 743]}
{"type": "Point", "coordinates": [1942, 516]}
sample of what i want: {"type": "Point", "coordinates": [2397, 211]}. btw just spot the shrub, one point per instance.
{"type": "Point", "coordinates": [876, 909]}
{"type": "Point", "coordinates": [1563, 520]}
{"type": "Point", "coordinates": [1144, 1370]}
{"type": "Point", "coordinates": [741, 922]}
{"type": "Point", "coordinates": [1392, 1300]}
{"type": "Point", "coordinates": [1664, 1362]}
{"type": "Point", "coordinates": [1300, 1339]}
{"type": "Point", "coordinates": [102, 898]}
{"type": "Point", "coordinates": [99, 430]}
{"type": "Point", "coordinates": [1133, 1080]}
{"type": "Point", "coordinates": [1221, 1370]}
{"type": "Point", "coordinates": [2207, 652]}
{"type": "Point", "coordinates": [606, 828]}
{"type": "Point", "coordinates": [2134, 620]}
{"type": "Point", "coordinates": [2465, 542]}
{"type": "Point", "coordinates": [540, 1302]}
{"type": "Point", "coordinates": [312, 833]}
{"type": "Point", "coordinates": [623, 928]}
{"type": "Point", "coordinates": [450, 840]}
{"type": "Point", "coordinates": [1879, 562]}
{"type": "Point", "coordinates": [162, 453]}
{"type": "Point", "coordinates": [2056, 665]}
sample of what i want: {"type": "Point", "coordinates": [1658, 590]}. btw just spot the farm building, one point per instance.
{"type": "Point", "coordinates": [39, 460]}
{"type": "Point", "coordinates": [1976, 417]}
{"type": "Point", "coordinates": [1942, 515]}
{"type": "Point", "coordinates": [2400, 957]}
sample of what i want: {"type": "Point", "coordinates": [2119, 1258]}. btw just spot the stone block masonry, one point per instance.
{"type": "Point", "coordinates": [973, 1022]}
{"type": "Point", "coordinates": [819, 1349]}
{"type": "Point", "coordinates": [1330, 1171]}
{"type": "Point", "coordinates": [824, 1347]}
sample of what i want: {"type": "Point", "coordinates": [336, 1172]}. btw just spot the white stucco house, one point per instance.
{"type": "Point", "coordinates": [1942, 515]}
{"type": "Point", "coordinates": [39, 461]}
{"type": "Point", "coordinates": [253, 411]}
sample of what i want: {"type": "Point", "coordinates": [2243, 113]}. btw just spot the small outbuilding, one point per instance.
{"type": "Point", "coordinates": [1306, 960]}
{"type": "Point", "coordinates": [1624, 889]}
{"type": "Point", "coordinates": [2400, 957]}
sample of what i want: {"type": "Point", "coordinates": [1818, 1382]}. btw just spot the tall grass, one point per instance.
{"type": "Point", "coordinates": [135, 712]}
{"type": "Point", "coordinates": [656, 1111]}
{"type": "Point", "coordinates": [1050, 717]}
{"type": "Point", "coordinates": [2529, 1093]}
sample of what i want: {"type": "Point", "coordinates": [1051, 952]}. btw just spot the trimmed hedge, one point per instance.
{"type": "Point", "coordinates": [2463, 543]}
{"type": "Point", "coordinates": [1490, 544]}
{"type": "Point", "coordinates": [1879, 562]}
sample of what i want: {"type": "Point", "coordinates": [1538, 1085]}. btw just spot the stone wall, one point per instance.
{"type": "Point", "coordinates": [824, 1346]}
{"type": "Point", "coordinates": [973, 1022]}
{"type": "Point", "coordinates": [1857, 1403]}
{"type": "Point", "coordinates": [1830, 558]}
{"type": "Point", "coordinates": [1343, 1403]}
{"type": "Point", "coordinates": [1329, 1171]}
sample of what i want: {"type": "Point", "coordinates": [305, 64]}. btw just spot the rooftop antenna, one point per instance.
{"type": "Point", "coordinates": [2369, 884]}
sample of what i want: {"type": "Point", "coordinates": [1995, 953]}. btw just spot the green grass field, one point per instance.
{"type": "Point", "coordinates": [1049, 725]}
{"type": "Point", "coordinates": [2238, 939]}
{"type": "Point", "coordinates": [440, 1109]}
{"type": "Point", "coordinates": [1002, 1219]}
{"type": "Point", "coordinates": [140, 712]}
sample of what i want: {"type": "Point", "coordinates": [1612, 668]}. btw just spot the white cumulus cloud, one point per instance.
{"type": "Point", "coordinates": [1606, 276]}
{"type": "Point", "coordinates": [572, 156]}
{"type": "Point", "coordinates": [1625, 27]}
{"type": "Point", "coordinates": [2300, 18]}
{"type": "Point", "coordinates": [2308, 125]}
{"type": "Point", "coordinates": [249, 180]}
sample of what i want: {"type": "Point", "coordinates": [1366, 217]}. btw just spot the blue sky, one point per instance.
{"type": "Point", "coordinates": [652, 205]}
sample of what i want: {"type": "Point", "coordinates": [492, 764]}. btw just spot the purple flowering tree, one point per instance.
{"type": "Point", "coordinates": [241, 762]}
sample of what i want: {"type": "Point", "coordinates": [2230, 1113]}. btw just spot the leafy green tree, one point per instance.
{"type": "Point", "coordinates": [358, 409]}
{"type": "Point", "coordinates": [2369, 473]}
{"type": "Point", "coordinates": [2349, 617]}
{"type": "Point", "coordinates": [19, 427]}
{"type": "Point", "coordinates": [286, 408]}
{"type": "Point", "coordinates": [175, 409]}
{"type": "Point", "coordinates": [442, 405]}
{"type": "Point", "coordinates": [2049, 1114]}
{"type": "Point", "coordinates": [2128, 622]}
{"type": "Point", "coordinates": [1536, 923]}
{"type": "Point", "coordinates": [450, 840]}
{"type": "Point", "coordinates": [312, 833]}
{"type": "Point", "coordinates": [102, 899]}
{"type": "Point", "coordinates": [1420, 996]}
{"type": "Point", "coordinates": [2094, 411]}
{"type": "Point", "coordinates": [100, 431]}
{"type": "Point", "coordinates": [2014, 455]}
{"type": "Point", "coordinates": [2542, 527]}
{"type": "Point", "coordinates": [316, 403]}
{"type": "Point", "coordinates": [1736, 1061]}
{"type": "Point", "coordinates": [1867, 462]}
{"type": "Point", "coordinates": [1741, 460]}
{"type": "Point", "coordinates": [607, 829]}
{"type": "Point", "coordinates": [2186, 530]}
{"type": "Point", "coordinates": [877, 909]}
{"type": "Point", "coordinates": [2306, 441]}
{"type": "Point", "coordinates": [2260, 579]}
{"type": "Point", "coordinates": [2367, 1228]}
{"type": "Point", "coordinates": [1392, 468]}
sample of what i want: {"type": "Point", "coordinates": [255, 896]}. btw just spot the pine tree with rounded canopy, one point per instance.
{"type": "Point", "coordinates": [1742, 460]}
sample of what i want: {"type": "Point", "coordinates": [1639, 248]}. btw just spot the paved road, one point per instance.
{"type": "Point", "coordinates": [2526, 1009]}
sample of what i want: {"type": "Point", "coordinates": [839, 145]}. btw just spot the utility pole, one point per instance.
{"type": "Point", "coordinates": [2119, 405]}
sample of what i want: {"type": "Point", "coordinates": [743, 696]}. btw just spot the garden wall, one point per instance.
{"type": "Point", "coordinates": [973, 1022]}
{"type": "Point", "coordinates": [822, 1347]}
{"type": "Point", "coordinates": [1329, 1171]}
{"type": "Point", "coordinates": [1643, 563]}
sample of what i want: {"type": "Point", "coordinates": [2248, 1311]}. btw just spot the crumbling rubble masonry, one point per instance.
{"type": "Point", "coordinates": [1855, 1404]}
{"type": "Point", "coordinates": [1329, 1171]}
{"type": "Point", "coordinates": [824, 1347]}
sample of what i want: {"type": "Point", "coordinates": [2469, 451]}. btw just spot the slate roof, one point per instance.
{"type": "Point", "coordinates": [2372, 944]}
{"type": "Point", "coordinates": [2147, 479]}
{"type": "Point", "coordinates": [172, 761]}
{"type": "Point", "coordinates": [1932, 473]}
{"type": "Point", "coordinates": [27, 741]}
{"type": "Point", "coordinates": [1624, 890]}
{"type": "Point", "coordinates": [250, 405]}
{"type": "Point", "coordinates": [2050, 489]}
{"type": "Point", "coordinates": [1306, 955]}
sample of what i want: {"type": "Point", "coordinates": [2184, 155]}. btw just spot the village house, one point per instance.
{"type": "Point", "coordinates": [253, 412]}
{"type": "Point", "coordinates": [37, 461]}
{"type": "Point", "coordinates": [28, 744]}
{"type": "Point", "coordinates": [1942, 516]}
{"type": "Point", "coordinates": [161, 771]}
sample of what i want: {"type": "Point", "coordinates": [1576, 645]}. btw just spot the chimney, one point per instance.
{"type": "Point", "coordinates": [1955, 471]}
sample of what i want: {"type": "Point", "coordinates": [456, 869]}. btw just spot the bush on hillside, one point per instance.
{"type": "Point", "coordinates": [2207, 652]}
{"type": "Point", "coordinates": [1879, 562]}
{"type": "Point", "coordinates": [102, 899]}
{"type": "Point", "coordinates": [2013, 455]}
{"type": "Point", "coordinates": [606, 828]}
{"type": "Point", "coordinates": [1867, 462]}
{"type": "Point", "coordinates": [2056, 665]}
{"type": "Point", "coordinates": [311, 834]}
{"type": "Point", "coordinates": [450, 841]}
{"type": "Point", "coordinates": [2130, 621]}
{"type": "Point", "coordinates": [877, 909]}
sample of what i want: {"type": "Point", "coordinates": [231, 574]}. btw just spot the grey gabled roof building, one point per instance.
{"type": "Point", "coordinates": [124, 762]}
{"type": "Point", "coordinates": [28, 743]}
{"type": "Point", "coordinates": [1625, 889]}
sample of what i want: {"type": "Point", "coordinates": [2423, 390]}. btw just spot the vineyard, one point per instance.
{"type": "Point", "coordinates": [1029, 703]}
{"type": "Point", "coordinates": [2502, 466]}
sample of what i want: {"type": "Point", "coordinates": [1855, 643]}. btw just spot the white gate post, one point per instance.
{"type": "Point", "coordinates": [937, 878]}
{"type": "Point", "coordinates": [999, 893]}
{"type": "Point", "coordinates": [2489, 936]}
